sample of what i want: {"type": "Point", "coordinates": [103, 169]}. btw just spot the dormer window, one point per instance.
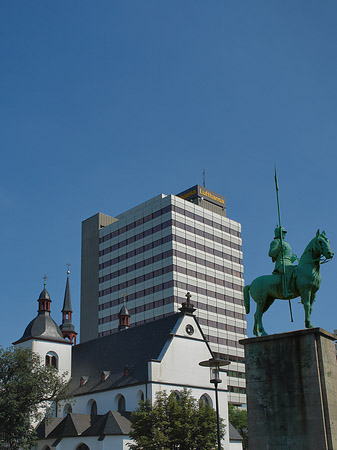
{"type": "Point", "coordinates": [84, 380]}
{"type": "Point", "coordinates": [104, 375]}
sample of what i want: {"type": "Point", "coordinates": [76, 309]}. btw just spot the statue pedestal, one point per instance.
{"type": "Point", "coordinates": [292, 391]}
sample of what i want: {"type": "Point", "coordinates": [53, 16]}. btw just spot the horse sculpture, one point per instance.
{"type": "Point", "coordinates": [304, 281]}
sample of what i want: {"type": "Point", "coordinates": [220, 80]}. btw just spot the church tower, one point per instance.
{"type": "Point", "coordinates": [43, 336]}
{"type": "Point", "coordinates": [67, 328]}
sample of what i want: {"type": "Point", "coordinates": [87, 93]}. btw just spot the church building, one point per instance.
{"type": "Point", "coordinates": [108, 376]}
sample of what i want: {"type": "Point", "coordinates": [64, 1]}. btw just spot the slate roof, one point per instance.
{"type": "Point", "coordinates": [234, 435]}
{"type": "Point", "coordinates": [47, 426]}
{"type": "Point", "coordinates": [112, 423]}
{"type": "Point", "coordinates": [42, 327]}
{"type": "Point", "coordinates": [67, 298]}
{"type": "Point", "coordinates": [131, 348]}
{"type": "Point", "coordinates": [71, 425]}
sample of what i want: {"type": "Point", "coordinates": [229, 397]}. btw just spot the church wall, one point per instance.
{"type": "Point", "coordinates": [106, 400]}
{"type": "Point", "coordinates": [108, 443]}
{"type": "Point", "coordinates": [63, 352]}
{"type": "Point", "coordinates": [42, 347]}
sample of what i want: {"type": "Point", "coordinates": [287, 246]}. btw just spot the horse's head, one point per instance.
{"type": "Point", "coordinates": [323, 244]}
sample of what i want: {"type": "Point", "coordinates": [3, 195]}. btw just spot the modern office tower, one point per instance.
{"type": "Point", "coordinates": [155, 253]}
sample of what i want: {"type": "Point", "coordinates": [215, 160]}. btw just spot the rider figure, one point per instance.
{"type": "Point", "coordinates": [283, 259]}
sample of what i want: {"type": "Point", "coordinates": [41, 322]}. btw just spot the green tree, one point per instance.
{"type": "Point", "coordinates": [238, 418]}
{"type": "Point", "coordinates": [175, 421]}
{"type": "Point", "coordinates": [27, 389]}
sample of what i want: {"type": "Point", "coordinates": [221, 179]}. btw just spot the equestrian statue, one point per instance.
{"type": "Point", "coordinates": [288, 281]}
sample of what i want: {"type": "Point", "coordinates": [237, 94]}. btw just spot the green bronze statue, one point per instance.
{"type": "Point", "coordinates": [281, 254]}
{"type": "Point", "coordinates": [288, 281]}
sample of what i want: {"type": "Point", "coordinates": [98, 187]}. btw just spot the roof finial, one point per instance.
{"type": "Point", "coordinates": [44, 280]}
{"type": "Point", "coordinates": [68, 264]}
{"type": "Point", "coordinates": [187, 307]}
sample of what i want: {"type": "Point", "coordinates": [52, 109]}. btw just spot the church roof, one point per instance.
{"type": "Point", "coordinates": [71, 425]}
{"type": "Point", "coordinates": [67, 297]}
{"type": "Point", "coordinates": [124, 354]}
{"type": "Point", "coordinates": [44, 295]}
{"type": "Point", "coordinates": [112, 423]}
{"type": "Point", "coordinates": [42, 327]}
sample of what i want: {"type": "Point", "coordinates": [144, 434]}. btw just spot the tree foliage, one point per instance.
{"type": "Point", "coordinates": [238, 418]}
{"type": "Point", "coordinates": [175, 421]}
{"type": "Point", "coordinates": [27, 389]}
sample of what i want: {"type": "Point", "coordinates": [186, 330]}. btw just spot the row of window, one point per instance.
{"type": "Point", "coordinates": [205, 220]}
{"type": "Point", "coordinates": [140, 279]}
{"type": "Point", "coordinates": [204, 248]}
{"type": "Point", "coordinates": [162, 211]}
{"type": "Point", "coordinates": [238, 390]}
{"type": "Point", "coordinates": [136, 266]}
{"type": "Point", "coordinates": [167, 254]}
{"type": "Point", "coordinates": [236, 374]}
{"type": "Point", "coordinates": [142, 293]}
{"type": "Point", "coordinates": [167, 224]}
{"type": "Point", "coordinates": [136, 251]}
{"type": "Point", "coordinates": [171, 299]}
{"type": "Point", "coordinates": [135, 224]}
{"type": "Point", "coordinates": [179, 239]}
{"type": "Point", "coordinates": [137, 310]}
{"type": "Point", "coordinates": [232, 358]}
{"type": "Point", "coordinates": [163, 271]}
{"type": "Point", "coordinates": [136, 237]}
{"type": "Point", "coordinates": [186, 287]}
{"type": "Point", "coordinates": [207, 264]}
{"type": "Point", "coordinates": [223, 341]}
{"type": "Point", "coordinates": [167, 301]}
{"type": "Point", "coordinates": [209, 278]}
{"type": "Point", "coordinates": [221, 326]}
{"type": "Point", "coordinates": [206, 235]}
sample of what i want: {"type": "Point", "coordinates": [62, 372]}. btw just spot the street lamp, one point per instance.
{"type": "Point", "coordinates": [214, 365]}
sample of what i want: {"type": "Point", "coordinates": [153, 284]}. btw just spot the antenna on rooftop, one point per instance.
{"type": "Point", "coordinates": [204, 177]}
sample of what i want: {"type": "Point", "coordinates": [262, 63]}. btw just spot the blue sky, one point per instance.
{"type": "Point", "coordinates": [107, 104]}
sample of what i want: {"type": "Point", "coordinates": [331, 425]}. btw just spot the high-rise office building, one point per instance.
{"type": "Point", "coordinates": [155, 253]}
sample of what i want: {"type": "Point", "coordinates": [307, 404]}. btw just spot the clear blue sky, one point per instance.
{"type": "Point", "coordinates": [106, 104]}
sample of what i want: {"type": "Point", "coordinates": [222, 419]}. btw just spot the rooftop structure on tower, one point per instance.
{"type": "Point", "coordinates": [67, 328]}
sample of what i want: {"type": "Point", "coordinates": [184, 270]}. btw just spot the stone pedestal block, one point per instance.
{"type": "Point", "coordinates": [292, 391]}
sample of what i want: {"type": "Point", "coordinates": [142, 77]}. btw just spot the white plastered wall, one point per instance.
{"type": "Point", "coordinates": [62, 350]}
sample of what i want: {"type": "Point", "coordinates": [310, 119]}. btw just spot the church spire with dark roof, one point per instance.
{"type": "Point", "coordinates": [124, 316]}
{"type": "Point", "coordinates": [44, 300]}
{"type": "Point", "coordinates": [67, 328]}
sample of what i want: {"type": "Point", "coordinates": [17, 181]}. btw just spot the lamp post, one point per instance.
{"type": "Point", "coordinates": [214, 365]}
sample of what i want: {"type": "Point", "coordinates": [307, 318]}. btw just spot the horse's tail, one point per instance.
{"type": "Point", "coordinates": [246, 297]}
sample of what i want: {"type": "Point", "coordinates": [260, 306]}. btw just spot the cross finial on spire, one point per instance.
{"type": "Point", "coordinates": [68, 265]}
{"type": "Point", "coordinates": [187, 307]}
{"type": "Point", "coordinates": [44, 280]}
{"type": "Point", "coordinates": [124, 298]}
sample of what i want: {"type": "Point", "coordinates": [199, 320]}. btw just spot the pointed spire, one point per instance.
{"type": "Point", "coordinates": [67, 297]}
{"type": "Point", "coordinates": [67, 327]}
{"type": "Point", "coordinates": [124, 316]}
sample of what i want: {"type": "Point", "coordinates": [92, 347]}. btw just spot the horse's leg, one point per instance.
{"type": "Point", "coordinates": [258, 327]}
{"type": "Point", "coordinates": [306, 300]}
{"type": "Point", "coordinates": [313, 296]}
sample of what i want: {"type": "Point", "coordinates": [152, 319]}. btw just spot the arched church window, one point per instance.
{"type": "Point", "coordinates": [206, 400]}
{"type": "Point", "coordinates": [82, 447]}
{"type": "Point", "coordinates": [52, 359]}
{"type": "Point", "coordinates": [93, 411]}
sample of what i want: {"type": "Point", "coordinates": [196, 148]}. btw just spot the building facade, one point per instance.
{"type": "Point", "coordinates": [151, 255]}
